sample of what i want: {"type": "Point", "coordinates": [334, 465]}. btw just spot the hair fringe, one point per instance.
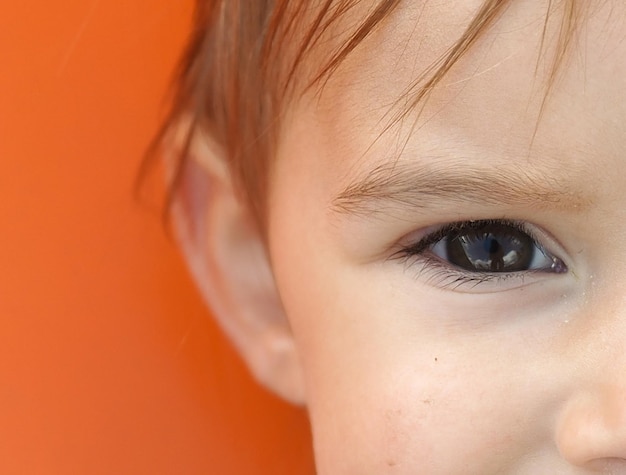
{"type": "Point", "coordinates": [237, 52]}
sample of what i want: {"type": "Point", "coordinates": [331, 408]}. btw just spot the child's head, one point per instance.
{"type": "Point", "coordinates": [409, 217]}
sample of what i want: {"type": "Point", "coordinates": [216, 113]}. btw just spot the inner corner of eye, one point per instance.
{"type": "Point", "coordinates": [558, 266]}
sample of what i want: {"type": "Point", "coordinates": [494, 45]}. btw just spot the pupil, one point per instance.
{"type": "Point", "coordinates": [496, 255]}
{"type": "Point", "coordinates": [490, 247]}
{"type": "Point", "coordinates": [493, 246]}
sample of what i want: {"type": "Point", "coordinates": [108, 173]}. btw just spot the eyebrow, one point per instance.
{"type": "Point", "coordinates": [424, 187]}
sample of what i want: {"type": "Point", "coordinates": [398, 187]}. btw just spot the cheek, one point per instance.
{"type": "Point", "coordinates": [397, 413]}
{"type": "Point", "coordinates": [389, 392]}
{"type": "Point", "coordinates": [388, 395]}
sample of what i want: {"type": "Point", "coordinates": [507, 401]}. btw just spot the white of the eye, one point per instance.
{"type": "Point", "coordinates": [541, 259]}
{"type": "Point", "coordinates": [439, 249]}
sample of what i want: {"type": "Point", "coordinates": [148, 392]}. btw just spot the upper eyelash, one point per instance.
{"type": "Point", "coordinates": [437, 235]}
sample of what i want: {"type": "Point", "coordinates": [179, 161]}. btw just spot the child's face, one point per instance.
{"type": "Point", "coordinates": [497, 346]}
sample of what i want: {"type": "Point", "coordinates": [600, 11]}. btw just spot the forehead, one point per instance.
{"type": "Point", "coordinates": [492, 99]}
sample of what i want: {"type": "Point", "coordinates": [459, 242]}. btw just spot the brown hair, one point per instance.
{"type": "Point", "coordinates": [244, 58]}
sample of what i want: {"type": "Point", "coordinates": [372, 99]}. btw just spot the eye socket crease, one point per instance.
{"type": "Point", "coordinates": [425, 186]}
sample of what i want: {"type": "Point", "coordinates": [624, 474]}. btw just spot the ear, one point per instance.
{"type": "Point", "coordinates": [227, 258]}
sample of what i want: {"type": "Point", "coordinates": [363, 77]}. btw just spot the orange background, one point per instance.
{"type": "Point", "coordinates": [108, 361]}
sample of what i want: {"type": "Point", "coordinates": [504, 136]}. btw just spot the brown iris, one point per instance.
{"type": "Point", "coordinates": [490, 247]}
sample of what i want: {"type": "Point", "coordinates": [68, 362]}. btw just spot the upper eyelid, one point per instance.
{"type": "Point", "coordinates": [440, 232]}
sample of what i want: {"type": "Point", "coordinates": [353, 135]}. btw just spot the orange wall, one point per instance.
{"type": "Point", "coordinates": [108, 361]}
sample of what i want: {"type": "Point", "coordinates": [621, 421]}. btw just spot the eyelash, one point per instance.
{"type": "Point", "coordinates": [448, 275]}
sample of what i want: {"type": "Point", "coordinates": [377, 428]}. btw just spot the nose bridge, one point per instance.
{"type": "Point", "coordinates": [605, 338]}
{"type": "Point", "coordinates": [592, 426]}
{"type": "Point", "coordinates": [603, 351]}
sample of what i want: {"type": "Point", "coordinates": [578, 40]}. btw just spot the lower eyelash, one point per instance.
{"type": "Point", "coordinates": [449, 280]}
{"type": "Point", "coordinates": [437, 273]}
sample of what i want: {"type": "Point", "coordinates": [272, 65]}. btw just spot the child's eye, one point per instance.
{"type": "Point", "coordinates": [481, 250]}
{"type": "Point", "coordinates": [492, 246]}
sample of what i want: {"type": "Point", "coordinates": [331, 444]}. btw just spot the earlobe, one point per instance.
{"type": "Point", "coordinates": [226, 255]}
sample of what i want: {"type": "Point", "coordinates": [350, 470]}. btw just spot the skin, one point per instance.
{"type": "Point", "coordinates": [406, 372]}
